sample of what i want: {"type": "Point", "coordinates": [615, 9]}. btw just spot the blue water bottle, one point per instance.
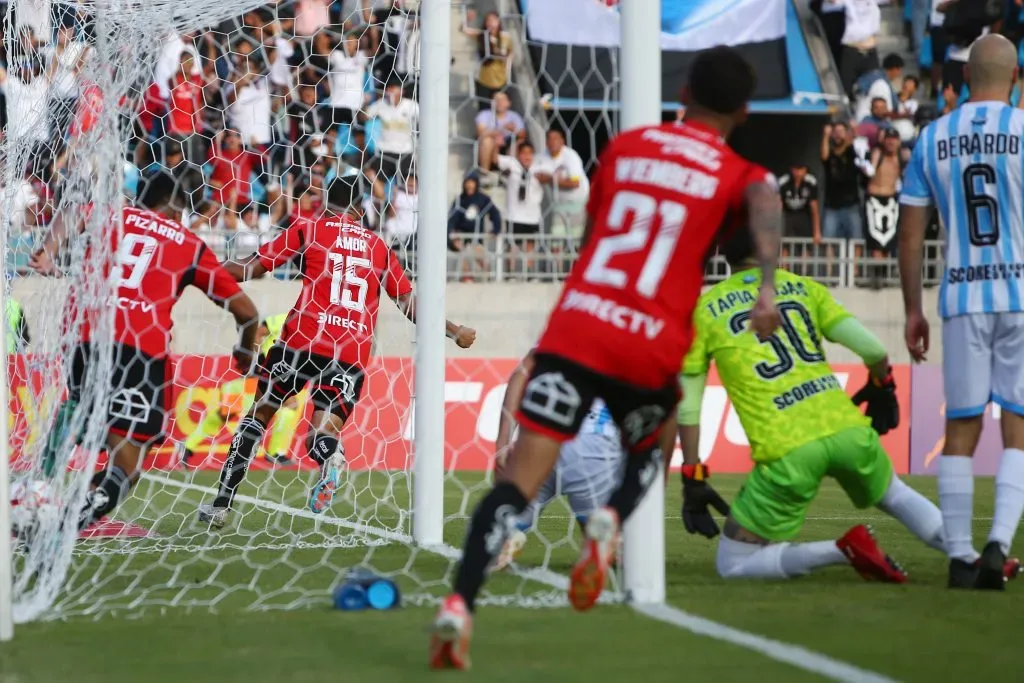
{"type": "Point", "coordinates": [363, 589]}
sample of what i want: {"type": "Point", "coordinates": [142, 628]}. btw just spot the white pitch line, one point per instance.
{"type": "Point", "coordinates": [797, 656]}
{"type": "Point", "coordinates": [794, 655]}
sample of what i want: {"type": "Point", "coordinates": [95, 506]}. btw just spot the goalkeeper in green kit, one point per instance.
{"type": "Point", "coordinates": [801, 425]}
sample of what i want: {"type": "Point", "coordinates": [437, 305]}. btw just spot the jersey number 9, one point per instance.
{"type": "Point", "coordinates": [792, 314]}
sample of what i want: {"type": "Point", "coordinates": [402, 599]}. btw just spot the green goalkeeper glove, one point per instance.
{"type": "Point", "coordinates": [883, 408]}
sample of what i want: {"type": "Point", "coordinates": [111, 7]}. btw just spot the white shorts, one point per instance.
{"type": "Point", "coordinates": [982, 361]}
{"type": "Point", "coordinates": [589, 468]}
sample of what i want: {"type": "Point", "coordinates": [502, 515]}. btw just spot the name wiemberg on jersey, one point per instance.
{"type": "Point", "coordinates": [974, 144]}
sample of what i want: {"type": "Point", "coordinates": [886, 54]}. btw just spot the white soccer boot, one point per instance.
{"type": "Point", "coordinates": [322, 493]}
{"type": "Point", "coordinates": [510, 551]}
{"type": "Point", "coordinates": [215, 517]}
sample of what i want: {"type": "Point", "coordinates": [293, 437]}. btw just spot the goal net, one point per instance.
{"type": "Point", "coordinates": [254, 109]}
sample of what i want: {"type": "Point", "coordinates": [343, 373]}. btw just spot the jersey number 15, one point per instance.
{"type": "Point", "coordinates": [348, 287]}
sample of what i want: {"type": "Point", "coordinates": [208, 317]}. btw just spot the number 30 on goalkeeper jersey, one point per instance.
{"type": "Point", "coordinates": [968, 164]}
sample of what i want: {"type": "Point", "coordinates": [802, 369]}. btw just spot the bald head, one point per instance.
{"type": "Point", "coordinates": [992, 67]}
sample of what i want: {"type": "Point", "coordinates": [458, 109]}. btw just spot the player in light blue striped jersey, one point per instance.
{"type": "Point", "coordinates": [589, 465]}
{"type": "Point", "coordinates": [968, 165]}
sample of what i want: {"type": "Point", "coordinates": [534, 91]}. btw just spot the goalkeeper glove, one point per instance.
{"type": "Point", "coordinates": [883, 408]}
{"type": "Point", "coordinates": [698, 496]}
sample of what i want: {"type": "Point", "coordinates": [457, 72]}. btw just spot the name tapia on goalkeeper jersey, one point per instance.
{"type": "Point", "coordinates": [968, 165]}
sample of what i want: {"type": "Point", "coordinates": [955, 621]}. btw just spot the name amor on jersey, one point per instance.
{"type": "Point", "coordinates": [353, 244]}
{"type": "Point", "coordinates": [958, 146]}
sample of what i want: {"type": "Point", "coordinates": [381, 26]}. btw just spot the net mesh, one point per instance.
{"type": "Point", "coordinates": [253, 108]}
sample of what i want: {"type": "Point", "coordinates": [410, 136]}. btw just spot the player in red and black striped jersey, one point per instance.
{"type": "Point", "coordinates": [327, 338]}
{"type": "Point", "coordinates": [152, 259]}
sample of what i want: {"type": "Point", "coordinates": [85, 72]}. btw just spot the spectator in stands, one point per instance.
{"type": "Point", "coordinates": [348, 80]}
{"type": "Point", "coordinates": [965, 22]}
{"type": "Point", "coordinates": [230, 179]}
{"type": "Point", "coordinates": [311, 16]}
{"type": "Point", "coordinates": [882, 207]}
{"type": "Point", "coordinates": [561, 168]}
{"type": "Point", "coordinates": [27, 90]}
{"type": "Point", "coordinates": [407, 57]}
{"type": "Point", "coordinates": [279, 52]}
{"type": "Point", "coordinates": [498, 130]}
{"type": "Point", "coordinates": [877, 119]}
{"type": "Point", "coordinates": [799, 192]}
{"type": "Point", "coordinates": [248, 97]}
{"type": "Point", "coordinates": [308, 123]}
{"type": "Point", "coordinates": [466, 229]}
{"type": "Point", "coordinates": [494, 47]}
{"type": "Point", "coordinates": [313, 60]}
{"type": "Point", "coordinates": [172, 150]}
{"type": "Point", "coordinates": [879, 84]}
{"type": "Point", "coordinates": [939, 41]}
{"type": "Point", "coordinates": [525, 196]}
{"type": "Point", "coordinates": [65, 60]}
{"type": "Point", "coordinates": [903, 119]}
{"type": "Point", "coordinates": [844, 172]}
{"type": "Point", "coordinates": [832, 14]}
{"type": "Point", "coordinates": [400, 221]}
{"type": "Point", "coordinates": [352, 146]}
{"type": "Point", "coordinates": [860, 40]}
{"type": "Point", "coordinates": [396, 116]}
{"type": "Point", "coordinates": [185, 105]}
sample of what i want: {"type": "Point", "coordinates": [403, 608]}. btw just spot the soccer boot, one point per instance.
{"type": "Point", "coordinates": [322, 493]}
{"type": "Point", "coordinates": [450, 634]}
{"type": "Point", "coordinates": [991, 568]}
{"type": "Point", "coordinates": [861, 549]}
{"type": "Point", "coordinates": [215, 517]}
{"type": "Point", "coordinates": [279, 459]}
{"type": "Point", "coordinates": [601, 539]}
{"type": "Point", "coordinates": [964, 574]}
{"type": "Point", "coordinates": [510, 551]}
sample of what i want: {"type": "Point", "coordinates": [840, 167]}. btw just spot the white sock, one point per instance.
{"type": "Point", "coordinates": [916, 512]}
{"type": "Point", "coordinates": [956, 499]}
{"type": "Point", "coordinates": [1009, 498]}
{"type": "Point", "coordinates": [737, 560]}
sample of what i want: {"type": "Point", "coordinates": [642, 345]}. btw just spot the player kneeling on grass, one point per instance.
{"type": "Point", "coordinates": [327, 338]}
{"type": "Point", "coordinates": [801, 425]}
{"type": "Point", "coordinates": [154, 259]}
{"type": "Point", "coordinates": [587, 471]}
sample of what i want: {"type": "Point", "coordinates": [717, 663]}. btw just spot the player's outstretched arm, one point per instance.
{"type": "Point", "coordinates": [698, 495]}
{"type": "Point", "coordinates": [460, 334]}
{"type": "Point", "coordinates": [879, 392]}
{"type": "Point", "coordinates": [44, 259]}
{"type": "Point", "coordinates": [246, 268]}
{"type": "Point", "coordinates": [765, 211]}
{"type": "Point", "coordinates": [220, 287]}
{"type": "Point", "coordinates": [506, 423]}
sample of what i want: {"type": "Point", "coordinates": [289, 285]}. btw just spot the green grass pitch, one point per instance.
{"type": "Point", "coordinates": [916, 632]}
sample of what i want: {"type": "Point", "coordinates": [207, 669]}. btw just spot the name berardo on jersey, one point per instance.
{"type": "Point", "coordinates": [973, 144]}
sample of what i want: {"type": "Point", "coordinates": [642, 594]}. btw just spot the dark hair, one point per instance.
{"type": "Point", "coordinates": [345, 191]}
{"type": "Point", "coordinates": [525, 144]}
{"type": "Point", "coordinates": [558, 130]}
{"type": "Point", "coordinates": [892, 61]}
{"type": "Point", "coordinates": [721, 80]}
{"type": "Point", "coordinates": [913, 78]}
{"type": "Point", "coordinates": [878, 99]}
{"type": "Point", "coordinates": [738, 247]}
{"type": "Point", "coordinates": [157, 189]}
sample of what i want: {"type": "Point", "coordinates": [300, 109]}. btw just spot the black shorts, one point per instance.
{"type": "Point", "coordinates": [798, 224]}
{"type": "Point", "coordinates": [523, 228]}
{"type": "Point", "coordinates": [560, 392]}
{"type": "Point", "coordinates": [334, 386]}
{"type": "Point", "coordinates": [139, 400]}
{"type": "Point", "coordinates": [940, 44]}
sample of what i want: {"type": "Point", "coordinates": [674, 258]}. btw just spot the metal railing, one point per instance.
{"type": "Point", "coordinates": [485, 257]}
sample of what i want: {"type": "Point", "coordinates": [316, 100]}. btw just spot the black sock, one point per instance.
{"type": "Point", "coordinates": [247, 439]}
{"type": "Point", "coordinates": [641, 472]}
{"type": "Point", "coordinates": [488, 530]}
{"type": "Point", "coordinates": [102, 500]}
{"type": "Point", "coordinates": [323, 448]}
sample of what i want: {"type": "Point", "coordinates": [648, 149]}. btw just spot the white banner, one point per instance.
{"type": "Point", "coordinates": [686, 25]}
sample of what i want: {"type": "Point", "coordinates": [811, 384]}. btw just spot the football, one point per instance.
{"type": "Point", "coordinates": [33, 504]}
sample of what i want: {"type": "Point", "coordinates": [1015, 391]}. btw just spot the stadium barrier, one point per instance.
{"type": "Point", "coordinates": [381, 431]}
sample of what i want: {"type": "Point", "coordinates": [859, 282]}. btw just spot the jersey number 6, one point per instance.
{"type": "Point", "coordinates": [792, 314]}
{"type": "Point", "coordinates": [982, 209]}
{"type": "Point", "coordinates": [644, 210]}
